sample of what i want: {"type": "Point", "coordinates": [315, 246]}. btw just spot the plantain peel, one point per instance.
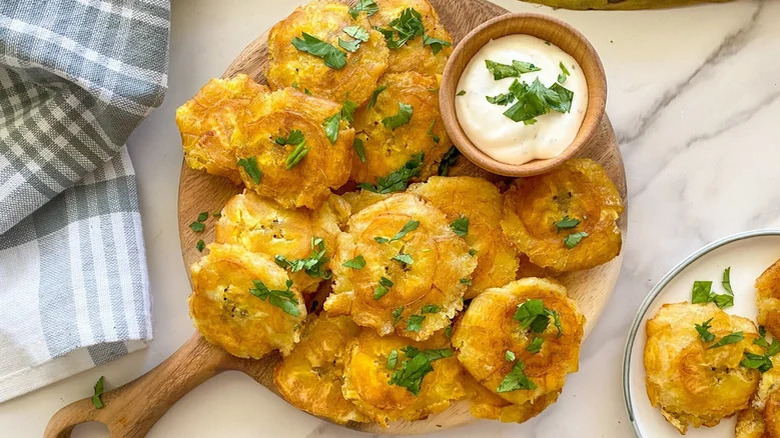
{"type": "Point", "coordinates": [414, 55]}
{"type": "Point", "coordinates": [389, 147]}
{"type": "Point", "coordinates": [768, 299]}
{"type": "Point", "coordinates": [479, 202]}
{"type": "Point", "coordinates": [488, 330]}
{"type": "Point", "coordinates": [212, 124]}
{"type": "Point", "coordinates": [691, 383]}
{"type": "Point", "coordinates": [326, 21]}
{"type": "Point", "coordinates": [308, 181]}
{"type": "Point", "coordinates": [368, 372]}
{"type": "Point", "coordinates": [415, 268]}
{"type": "Point", "coordinates": [311, 376]}
{"type": "Point", "coordinates": [228, 315]}
{"type": "Point", "coordinates": [263, 226]}
{"type": "Point", "coordinates": [578, 196]}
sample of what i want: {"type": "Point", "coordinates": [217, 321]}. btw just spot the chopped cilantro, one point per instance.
{"type": "Point", "coordinates": [401, 118]}
{"type": "Point", "coordinates": [460, 226]}
{"type": "Point", "coordinates": [356, 263]}
{"type": "Point", "coordinates": [250, 167]}
{"type": "Point", "coordinates": [333, 57]}
{"type": "Point", "coordinates": [283, 299]}
{"type": "Point", "coordinates": [397, 180]}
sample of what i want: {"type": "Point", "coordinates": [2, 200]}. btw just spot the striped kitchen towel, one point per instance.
{"type": "Point", "coordinates": [76, 77]}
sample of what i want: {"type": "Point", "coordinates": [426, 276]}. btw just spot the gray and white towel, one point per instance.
{"type": "Point", "coordinates": [76, 77]}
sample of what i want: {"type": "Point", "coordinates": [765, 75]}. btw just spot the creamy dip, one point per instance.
{"type": "Point", "coordinates": [499, 136]}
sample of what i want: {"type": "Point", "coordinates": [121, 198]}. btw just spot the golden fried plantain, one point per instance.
{"type": "Point", "coordinates": [772, 415]}
{"type": "Point", "coordinates": [487, 405]}
{"type": "Point", "coordinates": [290, 67]}
{"type": "Point", "coordinates": [212, 122]}
{"type": "Point", "coordinates": [528, 269]}
{"type": "Point", "coordinates": [762, 418]}
{"type": "Point", "coordinates": [478, 202]}
{"type": "Point", "coordinates": [768, 299]}
{"type": "Point", "coordinates": [690, 382]}
{"type": "Point", "coordinates": [311, 376]}
{"type": "Point", "coordinates": [362, 198]}
{"type": "Point", "coordinates": [494, 343]}
{"type": "Point", "coordinates": [227, 311]}
{"type": "Point", "coordinates": [544, 216]}
{"type": "Point", "coordinates": [261, 225]}
{"type": "Point", "coordinates": [387, 146]}
{"type": "Point", "coordinates": [307, 182]}
{"type": "Point", "coordinates": [413, 266]}
{"type": "Point", "coordinates": [369, 368]}
{"type": "Point", "coordinates": [750, 424]}
{"type": "Point", "coordinates": [414, 55]}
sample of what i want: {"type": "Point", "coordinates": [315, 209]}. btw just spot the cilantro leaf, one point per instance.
{"type": "Point", "coordinates": [407, 26]}
{"type": "Point", "coordinates": [397, 314]}
{"type": "Point", "coordinates": [429, 132]}
{"type": "Point", "coordinates": [448, 331]}
{"type": "Point", "coordinates": [375, 95]}
{"type": "Point", "coordinates": [564, 73]}
{"type": "Point", "coordinates": [535, 100]}
{"type": "Point", "coordinates": [368, 6]}
{"type": "Point", "coordinates": [383, 288]}
{"type": "Point", "coordinates": [97, 402]}
{"type": "Point", "coordinates": [283, 299]}
{"type": "Point", "coordinates": [461, 93]}
{"type": "Point", "coordinates": [349, 46]}
{"type": "Point", "coordinates": [448, 160]}
{"type": "Point", "coordinates": [401, 118]}
{"type": "Point", "coordinates": [726, 282]}
{"type": "Point", "coordinates": [203, 216]}
{"type": "Point", "coordinates": [348, 110]}
{"type": "Point", "coordinates": [397, 180]}
{"type": "Point", "coordinates": [430, 308]}
{"type": "Point", "coordinates": [728, 339]}
{"type": "Point", "coordinates": [532, 314]}
{"type": "Point", "coordinates": [435, 43]}
{"type": "Point", "coordinates": [197, 227]}
{"type": "Point", "coordinates": [333, 57]}
{"type": "Point", "coordinates": [314, 265]}
{"type": "Point", "coordinates": [460, 226]}
{"type": "Point", "coordinates": [250, 167]}
{"type": "Point", "coordinates": [535, 346]}
{"type": "Point", "coordinates": [701, 292]}
{"type": "Point", "coordinates": [516, 379]}
{"type": "Point", "coordinates": [704, 331]}
{"type": "Point", "coordinates": [574, 239]}
{"type": "Point", "coordinates": [466, 281]}
{"type": "Point", "coordinates": [201, 245]}
{"type": "Point", "coordinates": [501, 99]}
{"type": "Point", "coordinates": [296, 155]}
{"type": "Point", "coordinates": [415, 366]}
{"type": "Point", "coordinates": [567, 223]}
{"type": "Point", "coordinates": [392, 360]}
{"type": "Point", "coordinates": [404, 259]}
{"type": "Point", "coordinates": [356, 263]}
{"type": "Point", "coordinates": [501, 71]}
{"type": "Point", "coordinates": [414, 323]}
{"type": "Point", "coordinates": [509, 356]}
{"type": "Point", "coordinates": [294, 137]}
{"type": "Point", "coordinates": [331, 126]}
{"type": "Point", "coordinates": [757, 362]}
{"type": "Point", "coordinates": [357, 33]}
{"type": "Point", "coordinates": [360, 150]}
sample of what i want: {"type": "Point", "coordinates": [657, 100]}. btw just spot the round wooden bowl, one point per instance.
{"type": "Point", "coordinates": [549, 29]}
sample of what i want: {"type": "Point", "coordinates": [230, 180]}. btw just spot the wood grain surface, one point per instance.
{"type": "Point", "coordinates": [132, 409]}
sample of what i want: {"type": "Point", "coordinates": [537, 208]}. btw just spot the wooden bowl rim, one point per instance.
{"type": "Point", "coordinates": [590, 63]}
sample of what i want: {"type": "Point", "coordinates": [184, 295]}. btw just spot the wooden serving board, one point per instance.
{"type": "Point", "coordinates": [131, 410]}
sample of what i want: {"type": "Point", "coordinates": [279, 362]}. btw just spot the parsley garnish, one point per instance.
{"type": "Point", "coordinates": [759, 362]}
{"type": "Point", "coordinates": [368, 6]}
{"type": "Point", "coordinates": [197, 226]}
{"type": "Point", "coordinates": [397, 180]}
{"type": "Point", "coordinates": [460, 226]}
{"type": "Point", "coordinates": [435, 43]}
{"type": "Point", "coordinates": [203, 216]}
{"type": "Point", "coordinates": [704, 331]}
{"type": "Point", "coordinates": [217, 215]}
{"type": "Point", "coordinates": [702, 292]}
{"type": "Point", "coordinates": [429, 132]}
{"type": "Point", "coordinates": [357, 33]}
{"type": "Point", "coordinates": [430, 308]}
{"type": "Point", "coordinates": [564, 73]}
{"type": "Point", "coordinates": [535, 100]}
{"type": "Point", "coordinates": [200, 245]}
{"type": "Point", "coordinates": [574, 239]}
{"type": "Point", "coordinates": [296, 155]}
{"type": "Point", "coordinates": [348, 110]}
{"type": "Point", "coordinates": [383, 288]}
{"type": "Point", "coordinates": [501, 99]}
{"type": "Point", "coordinates": [401, 118]}
{"type": "Point", "coordinates": [375, 95]}
{"type": "Point", "coordinates": [349, 46]}
{"type": "Point", "coordinates": [414, 323]}
{"type": "Point", "coordinates": [250, 167]}
{"type": "Point", "coordinates": [331, 126]}
{"type": "Point", "coordinates": [357, 263]}
{"type": "Point", "coordinates": [535, 346]}
{"type": "Point", "coordinates": [283, 299]}
{"type": "Point", "coordinates": [404, 259]}
{"type": "Point", "coordinates": [532, 314]}
{"type": "Point", "coordinates": [466, 281]}
{"type": "Point", "coordinates": [408, 227]}
{"type": "Point", "coordinates": [567, 223]}
{"type": "Point", "coordinates": [448, 331]}
{"type": "Point", "coordinates": [397, 314]}
{"type": "Point", "coordinates": [509, 356]}
{"type": "Point", "coordinates": [407, 26]}
{"type": "Point", "coordinates": [357, 145]}
{"type": "Point", "coordinates": [501, 71]}
{"type": "Point", "coordinates": [295, 137]}
{"type": "Point", "coordinates": [726, 282]}
{"type": "Point", "coordinates": [448, 160]}
{"type": "Point", "coordinates": [472, 252]}
{"type": "Point", "coordinates": [516, 379]}
{"type": "Point", "coordinates": [392, 360]}
{"type": "Point", "coordinates": [728, 339]}
{"type": "Point", "coordinates": [314, 265]}
{"type": "Point", "coordinates": [461, 93]}
{"type": "Point", "coordinates": [97, 402]}
{"type": "Point", "coordinates": [415, 366]}
{"type": "Point", "coordinates": [333, 57]}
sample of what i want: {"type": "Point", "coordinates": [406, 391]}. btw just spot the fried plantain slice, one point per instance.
{"type": "Point", "coordinates": [527, 269]}
{"type": "Point", "coordinates": [487, 405]}
{"type": "Point", "coordinates": [409, 280]}
{"type": "Point", "coordinates": [415, 55]}
{"type": "Point", "coordinates": [286, 235]}
{"type": "Point", "coordinates": [690, 382]}
{"type": "Point", "coordinates": [301, 171]}
{"type": "Point", "coordinates": [403, 122]}
{"type": "Point", "coordinates": [241, 301]}
{"type": "Point", "coordinates": [772, 415]}
{"type": "Point", "coordinates": [421, 386]}
{"type": "Point", "coordinates": [497, 340]}
{"type": "Point", "coordinates": [473, 206]}
{"type": "Point", "coordinates": [750, 424]}
{"type": "Point", "coordinates": [362, 198]}
{"type": "Point", "coordinates": [768, 299]}
{"type": "Point", "coordinates": [311, 376]}
{"type": "Point", "coordinates": [545, 216]}
{"type": "Point", "coordinates": [212, 122]}
{"type": "Point", "coordinates": [327, 21]}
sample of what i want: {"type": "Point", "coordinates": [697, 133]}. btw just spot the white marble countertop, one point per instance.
{"type": "Point", "coordinates": [694, 95]}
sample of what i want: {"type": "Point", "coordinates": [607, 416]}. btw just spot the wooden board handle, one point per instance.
{"type": "Point", "coordinates": [132, 409]}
